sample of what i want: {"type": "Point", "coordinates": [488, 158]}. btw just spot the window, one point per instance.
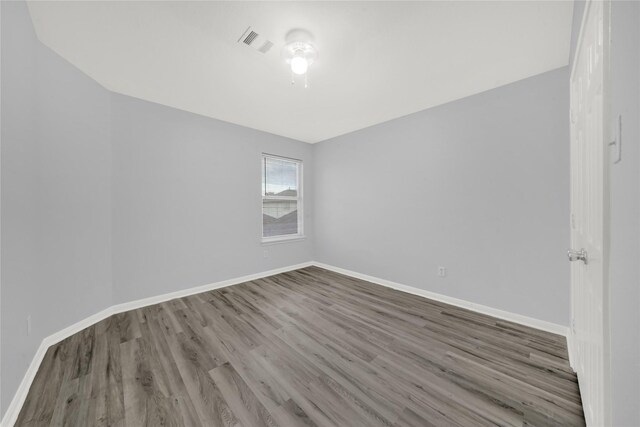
{"type": "Point", "coordinates": [281, 198]}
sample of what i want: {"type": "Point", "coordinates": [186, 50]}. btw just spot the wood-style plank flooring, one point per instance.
{"type": "Point", "coordinates": [305, 348]}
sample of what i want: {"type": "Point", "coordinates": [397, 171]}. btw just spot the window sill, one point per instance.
{"type": "Point", "coordinates": [283, 239]}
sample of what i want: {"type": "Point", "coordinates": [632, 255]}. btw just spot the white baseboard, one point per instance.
{"type": "Point", "coordinates": [18, 400]}
{"type": "Point", "coordinates": [13, 410]}
{"type": "Point", "coordinates": [571, 348]}
{"type": "Point", "coordinates": [119, 308]}
{"type": "Point", "coordinates": [21, 394]}
{"type": "Point", "coordinates": [490, 311]}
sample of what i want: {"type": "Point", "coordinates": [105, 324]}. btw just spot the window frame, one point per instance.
{"type": "Point", "coordinates": [299, 199]}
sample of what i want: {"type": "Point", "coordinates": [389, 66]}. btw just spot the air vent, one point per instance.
{"type": "Point", "coordinates": [255, 41]}
{"type": "Point", "coordinates": [250, 38]}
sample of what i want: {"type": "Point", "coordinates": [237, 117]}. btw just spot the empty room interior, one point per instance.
{"type": "Point", "coordinates": [320, 213]}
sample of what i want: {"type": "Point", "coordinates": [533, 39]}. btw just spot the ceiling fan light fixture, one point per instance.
{"type": "Point", "coordinates": [299, 53]}
{"type": "Point", "coordinates": [299, 64]}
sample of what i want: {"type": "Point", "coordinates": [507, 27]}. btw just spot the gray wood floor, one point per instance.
{"type": "Point", "coordinates": [305, 348]}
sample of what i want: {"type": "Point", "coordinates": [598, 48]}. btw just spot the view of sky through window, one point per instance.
{"type": "Point", "coordinates": [280, 202]}
{"type": "Point", "coordinates": [280, 177]}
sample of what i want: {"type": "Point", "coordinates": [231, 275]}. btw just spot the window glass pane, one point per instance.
{"type": "Point", "coordinates": [279, 217]}
{"type": "Point", "coordinates": [280, 178]}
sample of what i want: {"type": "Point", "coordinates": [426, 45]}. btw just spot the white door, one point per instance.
{"type": "Point", "coordinates": [589, 212]}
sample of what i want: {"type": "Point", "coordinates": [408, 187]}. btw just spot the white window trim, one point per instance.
{"type": "Point", "coordinates": [285, 237]}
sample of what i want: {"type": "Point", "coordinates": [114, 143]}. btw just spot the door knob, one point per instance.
{"type": "Point", "coordinates": [580, 255]}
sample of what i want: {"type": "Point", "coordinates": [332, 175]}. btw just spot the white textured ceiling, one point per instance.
{"type": "Point", "coordinates": [377, 60]}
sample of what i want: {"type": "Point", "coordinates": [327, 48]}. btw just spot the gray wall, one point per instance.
{"type": "Point", "coordinates": [625, 216]}
{"type": "Point", "coordinates": [187, 207]}
{"type": "Point", "coordinates": [479, 185]}
{"type": "Point", "coordinates": [98, 186]}
{"type": "Point", "coordinates": [56, 195]}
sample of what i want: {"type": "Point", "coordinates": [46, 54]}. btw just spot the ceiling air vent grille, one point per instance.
{"type": "Point", "coordinates": [255, 40]}
{"type": "Point", "coordinates": [250, 38]}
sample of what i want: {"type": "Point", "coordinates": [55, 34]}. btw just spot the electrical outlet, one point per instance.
{"type": "Point", "coordinates": [442, 271]}
{"type": "Point", "coordinates": [265, 253]}
{"type": "Point", "coordinates": [28, 325]}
